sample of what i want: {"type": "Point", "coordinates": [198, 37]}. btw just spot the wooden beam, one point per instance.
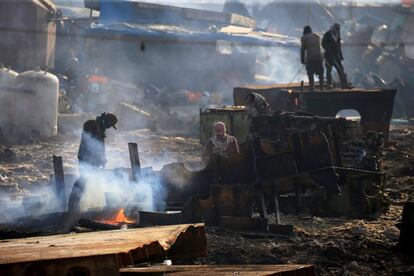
{"type": "Point", "coordinates": [135, 162]}
{"type": "Point", "coordinates": [292, 269]}
{"type": "Point", "coordinates": [59, 181]}
{"type": "Point", "coordinates": [90, 250]}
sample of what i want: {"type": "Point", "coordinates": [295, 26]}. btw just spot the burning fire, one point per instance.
{"type": "Point", "coordinates": [120, 217]}
{"type": "Point", "coordinates": [193, 97]}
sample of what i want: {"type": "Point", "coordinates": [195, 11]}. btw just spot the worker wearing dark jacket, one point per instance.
{"type": "Point", "coordinates": [311, 56]}
{"type": "Point", "coordinates": [92, 145]}
{"type": "Point", "coordinates": [91, 154]}
{"type": "Point", "coordinates": [331, 42]}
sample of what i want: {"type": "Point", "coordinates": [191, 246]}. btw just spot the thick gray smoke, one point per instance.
{"type": "Point", "coordinates": [152, 77]}
{"type": "Point", "coordinates": [114, 188]}
{"type": "Point", "coordinates": [105, 188]}
{"type": "Point", "coordinates": [281, 65]}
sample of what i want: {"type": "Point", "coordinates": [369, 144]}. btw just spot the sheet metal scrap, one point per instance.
{"type": "Point", "coordinates": [100, 253]}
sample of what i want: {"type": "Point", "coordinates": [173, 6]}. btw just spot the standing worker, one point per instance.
{"type": "Point", "coordinates": [311, 56]}
{"type": "Point", "coordinates": [331, 42]}
{"type": "Point", "coordinates": [91, 154]}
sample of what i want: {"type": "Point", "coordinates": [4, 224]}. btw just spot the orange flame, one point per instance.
{"type": "Point", "coordinates": [193, 97]}
{"type": "Point", "coordinates": [120, 217]}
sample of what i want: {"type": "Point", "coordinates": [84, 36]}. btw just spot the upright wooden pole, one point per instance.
{"type": "Point", "coordinates": [135, 162]}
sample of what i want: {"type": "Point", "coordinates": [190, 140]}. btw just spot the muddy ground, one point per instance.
{"type": "Point", "coordinates": [337, 246]}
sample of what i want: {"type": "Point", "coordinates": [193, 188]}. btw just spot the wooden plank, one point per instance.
{"type": "Point", "coordinates": [91, 266]}
{"type": "Point", "coordinates": [130, 246]}
{"type": "Point", "coordinates": [135, 162]}
{"type": "Point", "coordinates": [59, 181]}
{"type": "Point", "coordinates": [304, 270]}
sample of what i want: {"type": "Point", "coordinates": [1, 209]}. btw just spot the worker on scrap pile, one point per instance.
{"type": "Point", "coordinates": [221, 144]}
{"type": "Point", "coordinates": [311, 56]}
{"type": "Point", "coordinates": [331, 42]}
{"type": "Point", "coordinates": [257, 105]}
{"type": "Point", "coordinates": [91, 154]}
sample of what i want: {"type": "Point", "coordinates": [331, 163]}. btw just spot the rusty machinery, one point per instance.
{"type": "Point", "coordinates": [291, 162]}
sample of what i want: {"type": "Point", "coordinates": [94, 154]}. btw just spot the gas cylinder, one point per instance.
{"type": "Point", "coordinates": [37, 95]}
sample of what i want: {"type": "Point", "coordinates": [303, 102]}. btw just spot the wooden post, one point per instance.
{"type": "Point", "coordinates": [261, 204]}
{"type": "Point", "coordinates": [135, 163]}
{"type": "Point", "coordinates": [59, 181]}
{"type": "Point", "coordinates": [276, 206]}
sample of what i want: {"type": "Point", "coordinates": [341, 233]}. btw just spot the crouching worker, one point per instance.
{"type": "Point", "coordinates": [220, 145]}
{"type": "Point", "coordinates": [257, 105]}
{"type": "Point", "coordinates": [91, 154]}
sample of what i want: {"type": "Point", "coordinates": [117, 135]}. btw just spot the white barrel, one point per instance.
{"type": "Point", "coordinates": [37, 95]}
{"type": "Point", "coordinates": [7, 99]}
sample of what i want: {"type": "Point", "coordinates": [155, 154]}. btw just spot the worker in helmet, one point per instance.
{"type": "Point", "coordinates": [221, 144]}
{"type": "Point", "coordinates": [91, 154]}
{"type": "Point", "coordinates": [92, 146]}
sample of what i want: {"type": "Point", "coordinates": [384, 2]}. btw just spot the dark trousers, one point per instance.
{"type": "Point", "coordinates": [314, 68]}
{"type": "Point", "coordinates": [337, 63]}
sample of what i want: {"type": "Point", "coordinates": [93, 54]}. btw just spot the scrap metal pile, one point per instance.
{"type": "Point", "coordinates": [292, 162]}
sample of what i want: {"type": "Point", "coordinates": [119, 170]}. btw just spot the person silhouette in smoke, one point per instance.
{"type": "Point", "coordinates": [92, 146]}
{"type": "Point", "coordinates": [91, 154]}
{"type": "Point", "coordinates": [331, 42]}
{"type": "Point", "coordinates": [311, 56]}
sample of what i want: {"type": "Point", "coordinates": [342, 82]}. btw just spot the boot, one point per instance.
{"type": "Point", "coordinates": [344, 81]}
{"type": "Point", "coordinates": [329, 81]}
{"type": "Point", "coordinates": [311, 82]}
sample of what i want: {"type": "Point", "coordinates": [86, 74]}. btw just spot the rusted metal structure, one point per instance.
{"type": "Point", "coordinates": [100, 253]}
{"type": "Point", "coordinates": [27, 33]}
{"type": "Point", "coordinates": [294, 160]}
{"type": "Point", "coordinates": [375, 105]}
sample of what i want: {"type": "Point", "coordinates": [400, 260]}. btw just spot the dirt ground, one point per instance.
{"type": "Point", "coordinates": [337, 246]}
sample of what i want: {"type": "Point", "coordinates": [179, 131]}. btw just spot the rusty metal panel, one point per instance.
{"type": "Point", "coordinates": [277, 95]}
{"type": "Point", "coordinates": [375, 105]}
{"type": "Point", "coordinates": [223, 200]}
{"type": "Point", "coordinates": [125, 247]}
{"type": "Point", "coordinates": [278, 270]}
